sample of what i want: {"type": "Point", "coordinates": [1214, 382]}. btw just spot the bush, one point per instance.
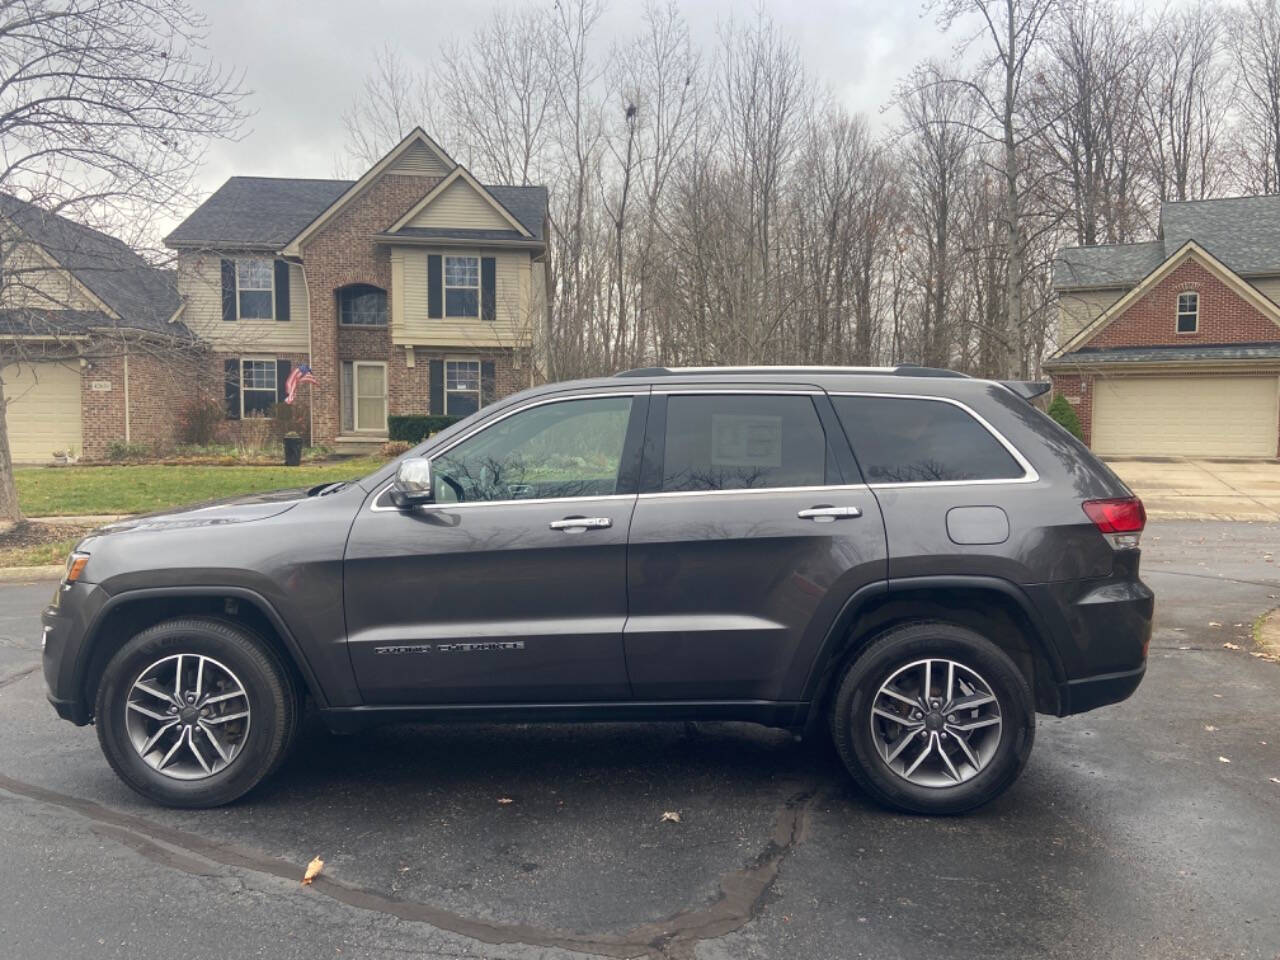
{"type": "Point", "coordinates": [251, 434]}
{"type": "Point", "coordinates": [393, 448]}
{"type": "Point", "coordinates": [118, 450]}
{"type": "Point", "coordinates": [1062, 411]}
{"type": "Point", "coordinates": [414, 428]}
{"type": "Point", "coordinates": [200, 420]}
{"type": "Point", "coordinates": [291, 418]}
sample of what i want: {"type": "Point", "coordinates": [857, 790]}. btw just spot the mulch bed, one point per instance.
{"type": "Point", "coordinates": [28, 534]}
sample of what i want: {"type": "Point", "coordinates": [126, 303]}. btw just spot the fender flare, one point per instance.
{"type": "Point", "coordinates": [85, 654]}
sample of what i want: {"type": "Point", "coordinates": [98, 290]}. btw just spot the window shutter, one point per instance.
{"type": "Point", "coordinates": [282, 290]}
{"type": "Point", "coordinates": [435, 286]}
{"type": "Point", "coordinates": [486, 382]}
{"type": "Point", "coordinates": [228, 290]}
{"type": "Point", "coordinates": [489, 288]}
{"type": "Point", "coordinates": [232, 368]}
{"type": "Point", "coordinates": [282, 374]}
{"type": "Point", "coordinates": [435, 373]}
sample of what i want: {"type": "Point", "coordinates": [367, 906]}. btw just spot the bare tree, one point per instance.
{"type": "Point", "coordinates": [106, 107]}
{"type": "Point", "coordinates": [393, 99]}
{"type": "Point", "coordinates": [1255, 45]}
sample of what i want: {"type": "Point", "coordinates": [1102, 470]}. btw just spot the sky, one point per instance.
{"type": "Point", "coordinates": [305, 61]}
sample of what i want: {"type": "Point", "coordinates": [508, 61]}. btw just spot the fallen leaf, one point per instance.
{"type": "Point", "coordinates": [1231, 646]}
{"type": "Point", "coordinates": [670, 816]}
{"type": "Point", "coordinates": [1218, 696]}
{"type": "Point", "coordinates": [1214, 623]}
{"type": "Point", "coordinates": [1223, 760]}
{"type": "Point", "coordinates": [505, 800]}
{"type": "Point", "coordinates": [313, 871]}
{"type": "Point", "coordinates": [1275, 779]}
{"type": "Point", "coordinates": [1210, 727]}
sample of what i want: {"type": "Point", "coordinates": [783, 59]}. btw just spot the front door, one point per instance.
{"type": "Point", "coordinates": [511, 586]}
{"type": "Point", "coordinates": [751, 530]}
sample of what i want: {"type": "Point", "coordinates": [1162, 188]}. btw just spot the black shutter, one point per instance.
{"type": "Point", "coordinates": [486, 382]}
{"type": "Point", "coordinates": [488, 288]}
{"type": "Point", "coordinates": [282, 374]}
{"type": "Point", "coordinates": [232, 368]}
{"type": "Point", "coordinates": [228, 290]}
{"type": "Point", "coordinates": [282, 290]}
{"type": "Point", "coordinates": [435, 373]}
{"type": "Point", "coordinates": [435, 287]}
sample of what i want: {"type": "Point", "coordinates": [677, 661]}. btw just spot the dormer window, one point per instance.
{"type": "Point", "coordinates": [1188, 312]}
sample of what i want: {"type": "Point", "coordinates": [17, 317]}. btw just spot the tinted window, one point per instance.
{"type": "Point", "coordinates": [569, 449]}
{"type": "Point", "coordinates": [734, 442]}
{"type": "Point", "coordinates": [900, 440]}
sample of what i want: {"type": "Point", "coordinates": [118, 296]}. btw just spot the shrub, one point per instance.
{"type": "Point", "coordinates": [251, 434]}
{"type": "Point", "coordinates": [414, 428]}
{"type": "Point", "coordinates": [118, 450]}
{"type": "Point", "coordinates": [200, 420]}
{"type": "Point", "coordinates": [393, 448]}
{"type": "Point", "coordinates": [1062, 411]}
{"type": "Point", "coordinates": [291, 418]}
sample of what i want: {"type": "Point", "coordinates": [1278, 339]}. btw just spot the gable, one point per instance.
{"type": "Point", "coordinates": [419, 160]}
{"type": "Point", "coordinates": [1227, 313]}
{"type": "Point", "coordinates": [460, 206]}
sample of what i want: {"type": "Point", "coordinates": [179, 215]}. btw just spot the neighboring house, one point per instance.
{"type": "Point", "coordinates": [414, 289]}
{"type": "Point", "coordinates": [1172, 347]}
{"type": "Point", "coordinates": [89, 350]}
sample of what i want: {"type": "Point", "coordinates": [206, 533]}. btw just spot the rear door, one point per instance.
{"type": "Point", "coordinates": [751, 530]}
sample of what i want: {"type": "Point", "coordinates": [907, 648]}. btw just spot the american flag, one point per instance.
{"type": "Point", "coordinates": [301, 374]}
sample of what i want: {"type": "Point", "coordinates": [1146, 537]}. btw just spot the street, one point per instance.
{"type": "Point", "coordinates": [1147, 829]}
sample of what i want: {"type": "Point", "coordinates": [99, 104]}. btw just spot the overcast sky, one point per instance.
{"type": "Point", "coordinates": [304, 61]}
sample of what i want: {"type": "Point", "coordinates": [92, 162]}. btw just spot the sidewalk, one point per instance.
{"type": "Point", "coordinates": [1192, 489]}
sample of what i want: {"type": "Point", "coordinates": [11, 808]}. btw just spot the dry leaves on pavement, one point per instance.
{"type": "Point", "coordinates": [313, 871]}
{"type": "Point", "coordinates": [670, 816]}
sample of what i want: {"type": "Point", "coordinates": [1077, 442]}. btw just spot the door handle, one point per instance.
{"type": "Point", "coordinates": [572, 524]}
{"type": "Point", "coordinates": [826, 514]}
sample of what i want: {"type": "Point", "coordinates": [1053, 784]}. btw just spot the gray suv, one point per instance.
{"type": "Point", "coordinates": [912, 559]}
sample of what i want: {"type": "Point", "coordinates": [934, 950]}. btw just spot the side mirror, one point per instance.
{"type": "Point", "coordinates": [412, 486]}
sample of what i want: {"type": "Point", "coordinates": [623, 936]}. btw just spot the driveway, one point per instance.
{"type": "Point", "coordinates": [1193, 489]}
{"type": "Point", "coordinates": [1129, 835]}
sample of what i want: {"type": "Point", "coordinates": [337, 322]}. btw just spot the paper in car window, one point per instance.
{"type": "Point", "coordinates": [744, 440]}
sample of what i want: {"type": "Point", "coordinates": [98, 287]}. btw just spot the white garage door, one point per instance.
{"type": "Point", "coordinates": [1185, 416]}
{"type": "Point", "coordinates": [43, 412]}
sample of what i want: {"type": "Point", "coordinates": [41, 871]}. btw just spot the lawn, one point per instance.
{"type": "Point", "coordinates": [64, 491]}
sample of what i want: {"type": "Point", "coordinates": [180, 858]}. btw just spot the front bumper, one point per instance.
{"type": "Point", "coordinates": [66, 623]}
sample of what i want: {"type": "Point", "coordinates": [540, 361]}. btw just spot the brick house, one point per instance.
{"type": "Point", "coordinates": [90, 353]}
{"type": "Point", "coordinates": [414, 289]}
{"type": "Point", "coordinates": [1172, 347]}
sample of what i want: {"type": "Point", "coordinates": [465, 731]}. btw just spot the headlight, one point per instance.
{"type": "Point", "coordinates": [75, 566]}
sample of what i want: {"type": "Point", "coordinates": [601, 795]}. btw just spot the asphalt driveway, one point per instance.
{"type": "Point", "coordinates": [1130, 834]}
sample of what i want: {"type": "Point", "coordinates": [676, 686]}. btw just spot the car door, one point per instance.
{"type": "Point", "coordinates": [511, 585]}
{"type": "Point", "coordinates": [751, 530]}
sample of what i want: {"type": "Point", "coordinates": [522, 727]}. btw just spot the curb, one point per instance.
{"type": "Point", "coordinates": [31, 574]}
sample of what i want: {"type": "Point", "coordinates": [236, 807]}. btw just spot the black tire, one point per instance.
{"type": "Point", "coordinates": [272, 695]}
{"type": "Point", "coordinates": [852, 731]}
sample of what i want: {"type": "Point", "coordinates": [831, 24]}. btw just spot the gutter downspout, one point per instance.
{"type": "Point", "coordinates": [127, 438]}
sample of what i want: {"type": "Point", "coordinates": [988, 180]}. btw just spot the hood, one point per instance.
{"type": "Point", "coordinates": [242, 509]}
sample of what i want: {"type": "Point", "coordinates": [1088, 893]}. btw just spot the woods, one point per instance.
{"type": "Point", "coordinates": [716, 203]}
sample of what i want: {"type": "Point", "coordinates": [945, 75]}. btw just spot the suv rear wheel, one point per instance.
{"type": "Point", "coordinates": [195, 712]}
{"type": "Point", "coordinates": [933, 718]}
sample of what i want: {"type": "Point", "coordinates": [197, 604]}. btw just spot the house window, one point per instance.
{"type": "Point", "coordinates": [361, 305]}
{"type": "Point", "coordinates": [257, 387]}
{"type": "Point", "coordinates": [461, 387]}
{"type": "Point", "coordinates": [1188, 312]}
{"type": "Point", "coordinates": [255, 289]}
{"type": "Point", "coordinates": [462, 286]}
{"type": "Point", "coordinates": [364, 396]}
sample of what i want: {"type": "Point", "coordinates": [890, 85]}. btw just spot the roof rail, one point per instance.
{"type": "Point", "coordinates": [901, 370]}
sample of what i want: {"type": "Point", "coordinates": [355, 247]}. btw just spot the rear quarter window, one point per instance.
{"type": "Point", "coordinates": [911, 440]}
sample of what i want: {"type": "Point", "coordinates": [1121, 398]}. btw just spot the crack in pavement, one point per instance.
{"type": "Point", "coordinates": [743, 892]}
{"type": "Point", "coordinates": [15, 677]}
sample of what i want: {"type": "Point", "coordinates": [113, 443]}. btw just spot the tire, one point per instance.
{"type": "Point", "coordinates": [941, 784]}
{"type": "Point", "coordinates": [229, 658]}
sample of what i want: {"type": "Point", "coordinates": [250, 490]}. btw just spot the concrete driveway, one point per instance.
{"type": "Point", "coordinates": [1130, 835]}
{"type": "Point", "coordinates": [1193, 489]}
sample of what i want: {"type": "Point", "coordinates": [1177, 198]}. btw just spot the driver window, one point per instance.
{"type": "Point", "coordinates": [572, 448]}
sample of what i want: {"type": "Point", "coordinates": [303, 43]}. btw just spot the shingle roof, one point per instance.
{"type": "Point", "coordinates": [144, 296]}
{"type": "Point", "coordinates": [1116, 265]}
{"type": "Point", "coordinates": [1168, 354]}
{"type": "Point", "coordinates": [444, 233]}
{"type": "Point", "coordinates": [256, 212]}
{"type": "Point", "coordinates": [265, 213]}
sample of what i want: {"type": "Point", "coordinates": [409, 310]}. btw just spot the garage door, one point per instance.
{"type": "Point", "coordinates": [1185, 416]}
{"type": "Point", "coordinates": [43, 412]}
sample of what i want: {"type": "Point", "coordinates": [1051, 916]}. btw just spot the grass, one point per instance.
{"type": "Point", "coordinates": [66, 491]}
{"type": "Point", "coordinates": [38, 555]}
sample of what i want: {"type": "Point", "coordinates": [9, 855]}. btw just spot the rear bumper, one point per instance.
{"type": "Point", "coordinates": [1077, 696]}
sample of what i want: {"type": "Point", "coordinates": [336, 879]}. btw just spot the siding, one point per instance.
{"type": "Point", "coordinates": [419, 160]}
{"type": "Point", "coordinates": [1078, 308]}
{"type": "Point", "coordinates": [200, 285]}
{"type": "Point", "coordinates": [1269, 287]}
{"type": "Point", "coordinates": [30, 281]}
{"type": "Point", "coordinates": [460, 207]}
{"type": "Point", "coordinates": [514, 318]}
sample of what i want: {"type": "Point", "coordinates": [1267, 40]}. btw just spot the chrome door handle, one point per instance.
{"type": "Point", "coordinates": [827, 514]}
{"type": "Point", "coordinates": [581, 523]}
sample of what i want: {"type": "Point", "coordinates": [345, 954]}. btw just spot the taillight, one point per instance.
{"type": "Point", "coordinates": [1121, 519]}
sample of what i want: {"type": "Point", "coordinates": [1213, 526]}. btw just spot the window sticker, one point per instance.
{"type": "Point", "coordinates": [744, 440]}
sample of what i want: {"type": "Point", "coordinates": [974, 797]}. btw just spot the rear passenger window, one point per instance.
{"type": "Point", "coordinates": [906, 440]}
{"type": "Point", "coordinates": [736, 442]}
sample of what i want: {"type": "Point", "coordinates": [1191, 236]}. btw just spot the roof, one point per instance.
{"type": "Point", "coordinates": [1174, 353]}
{"type": "Point", "coordinates": [256, 212]}
{"type": "Point", "coordinates": [1106, 265]}
{"type": "Point", "coordinates": [143, 296]}
{"type": "Point", "coordinates": [265, 213]}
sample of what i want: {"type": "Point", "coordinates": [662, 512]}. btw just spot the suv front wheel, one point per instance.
{"type": "Point", "coordinates": [933, 718]}
{"type": "Point", "coordinates": [195, 712]}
